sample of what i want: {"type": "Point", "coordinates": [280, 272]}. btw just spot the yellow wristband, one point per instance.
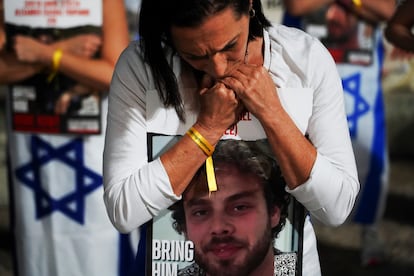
{"type": "Point", "coordinates": [357, 3]}
{"type": "Point", "coordinates": [201, 142]}
{"type": "Point", "coordinates": [57, 56]}
{"type": "Point", "coordinates": [208, 149]}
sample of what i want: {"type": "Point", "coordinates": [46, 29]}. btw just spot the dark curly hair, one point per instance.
{"type": "Point", "coordinates": [252, 157]}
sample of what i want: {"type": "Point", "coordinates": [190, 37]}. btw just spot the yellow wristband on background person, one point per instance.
{"type": "Point", "coordinates": [57, 56]}
{"type": "Point", "coordinates": [349, 4]}
{"type": "Point", "coordinates": [357, 3]}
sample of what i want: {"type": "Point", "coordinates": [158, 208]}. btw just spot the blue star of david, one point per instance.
{"type": "Point", "coordinates": [352, 86]}
{"type": "Point", "coordinates": [71, 154]}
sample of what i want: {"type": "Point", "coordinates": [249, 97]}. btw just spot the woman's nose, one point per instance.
{"type": "Point", "coordinates": [217, 65]}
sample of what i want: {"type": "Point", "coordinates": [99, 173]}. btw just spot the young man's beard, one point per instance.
{"type": "Point", "coordinates": [227, 268]}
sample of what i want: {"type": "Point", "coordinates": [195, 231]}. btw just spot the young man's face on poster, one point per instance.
{"type": "Point", "coordinates": [230, 228]}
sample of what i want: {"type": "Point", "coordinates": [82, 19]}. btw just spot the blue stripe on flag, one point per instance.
{"type": "Point", "coordinates": [371, 193]}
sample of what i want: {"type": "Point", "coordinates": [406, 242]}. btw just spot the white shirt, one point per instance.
{"type": "Point", "coordinates": [311, 92]}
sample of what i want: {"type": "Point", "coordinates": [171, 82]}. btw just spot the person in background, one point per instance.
{"type": "Point", "coordinates": [211, 69]}
{"type": "Point", "coordinates": [234, 229]}
{"type": "Point", "coordinates": [399, 29]}
{"type": "Point", "coordinates": [2, 31]}
{"type": "Point", "coordinates": [59, 222]}
{"type": "Point", "coordinates": [353, 35]}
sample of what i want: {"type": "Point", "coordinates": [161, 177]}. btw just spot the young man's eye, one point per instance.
{"type": "Point", "coordinates": [240, 208]}
{"type": "Point", "coordinates": [199, 213]}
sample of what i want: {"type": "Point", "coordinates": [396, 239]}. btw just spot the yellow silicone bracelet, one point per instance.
{"type": "Point", "coordinates": [208, 149]}
{"type": "Point", "coordinates": [202, 143]}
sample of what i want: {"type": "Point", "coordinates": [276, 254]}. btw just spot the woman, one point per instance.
{"type": "Point", "coordinates": [204, 65]}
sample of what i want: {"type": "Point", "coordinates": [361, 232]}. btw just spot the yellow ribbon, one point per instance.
{"type": "Point", "coordinates": [57, 56]}
{"type": "Point", "coordinates": [211, 177]}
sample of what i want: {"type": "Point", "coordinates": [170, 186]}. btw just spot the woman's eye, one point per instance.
{"type": "Point", "coordinates": [196, 58]}
{"type": "Point", "coordinates": [229, 47]}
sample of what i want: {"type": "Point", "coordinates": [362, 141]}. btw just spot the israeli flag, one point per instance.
{"type": "Point", "coordinates": [59, 219]}
{"type": "Point", "coordinates": [366, 119]}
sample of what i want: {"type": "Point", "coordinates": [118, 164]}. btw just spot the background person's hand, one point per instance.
{"type": "Point", "coordinates": [84, 45]}
{"type": "Point", "coordinates": [30, 50]}
{"type": "Point", "coordinates": [401, 54]}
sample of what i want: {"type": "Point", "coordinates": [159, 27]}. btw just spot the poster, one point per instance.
{"type": "Point", "coordinates": [348, 39]}
{"type": "Point", "coordinates": [169, 251]}
{"type": "Point", "coordinates": [36, 103]}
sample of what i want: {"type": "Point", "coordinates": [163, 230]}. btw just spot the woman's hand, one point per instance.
{"type": "Point", "coordinates": [219, 105]}
{"type": "Point", "coordinates": [254, 86]}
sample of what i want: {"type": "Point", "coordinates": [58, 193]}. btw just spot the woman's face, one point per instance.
{"type": "Point", "coordinates": [216, 46]}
